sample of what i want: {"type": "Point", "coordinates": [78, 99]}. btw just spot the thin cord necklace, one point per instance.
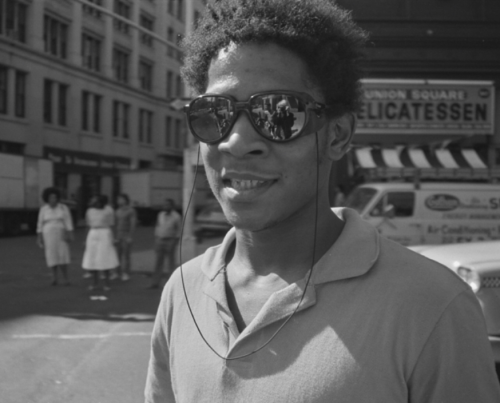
{"type": "Point", "coordinates": [308, 277]}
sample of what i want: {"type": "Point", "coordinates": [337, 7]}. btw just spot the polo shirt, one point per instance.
{"type": "Point", "coordinates": [378, 323]}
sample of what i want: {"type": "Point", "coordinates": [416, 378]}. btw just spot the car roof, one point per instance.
{"type": "Point", "coordinates": [458, 186]}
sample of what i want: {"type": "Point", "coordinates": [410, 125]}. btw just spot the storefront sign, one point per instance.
{"type": "Point", "coordinates": [83, 159]}
{"type": "Point", "coordinates": [426, 107]}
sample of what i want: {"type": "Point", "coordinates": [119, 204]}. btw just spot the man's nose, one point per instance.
{"type": "Point", "coordinates": [244, 141]}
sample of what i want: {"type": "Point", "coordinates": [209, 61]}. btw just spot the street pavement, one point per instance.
{"type": "Point", "coordinates": [64, 344]}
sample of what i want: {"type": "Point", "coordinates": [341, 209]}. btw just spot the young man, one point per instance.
{"type": "Point", "coordinates": [167, 232]}
{"type": "Point", "coordinates": [371, 321]}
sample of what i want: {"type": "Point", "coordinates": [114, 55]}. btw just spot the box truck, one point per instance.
{"type": "Point", "coordinates": [22, 180]}
{"type": "Point", "coordinates": [430, 213]}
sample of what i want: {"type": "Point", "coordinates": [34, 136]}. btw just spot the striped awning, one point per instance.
{"type": "Point", "coordinates": [404, 157]}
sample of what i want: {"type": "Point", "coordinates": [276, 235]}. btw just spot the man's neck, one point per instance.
{"type": "Point", "coordinates": [285, 251]}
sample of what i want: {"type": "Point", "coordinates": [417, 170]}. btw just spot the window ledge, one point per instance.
{"type": "Point", "coordinates": [90, 134]}
{"type": "Point", "coordinates": [51, 126]}
{"type": "Point", "coordinates": [14, 119]}
{"type": "Point", "coordinates": [121, 140]}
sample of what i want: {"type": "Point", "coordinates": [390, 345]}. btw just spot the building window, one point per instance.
{"type": "Point", "coordinates": [20, 95]}
{"type": "Point", "coordinates": [91, 52]}
{"type": "Point", "coordinates": [4, 72]}
{"type": "Point", "coordinates": [121, 113]}
{"type": "Point", "coordinates": [178, 133]}
{"type": "Point", "coordinates": [147, 23]}
{"type": "Point", "coordinates": [91, 10]}
{"type": "Point", "coordinates": [145, 126]}
{"type": "Point", "coordinates": [91, 112]}
{"type": "Point", "coordinates": [180, 9]}
{"type": "Point", "coordinates": [120, 65]}
{"type": "Point", "coordinates": [196, 18]}
{"type": "Point", "coordinates": [62, 102]}
{"type": "Point", "coordinates": [179, 42]}
{"type": "Point", "coordinates": [13, 19]}
{"type": "Point", "coordinates": [55, 34]}
{"type": "Point", "coordinates": [171, 7]}
{"type": "Point", "coordinates": [55, 101]}
{"type": "Point", "coordinates": [146, 75]}
{"type": "Point", "coordinates": [170, 83]}
{"type": "Point", "coordinates": [47, 101]}
{"type": "Point", "coordinates": [168, 131]}
{"type": "Point", "coordinates": [171, 50]}
{"type": "Point", "coordinates": [178, 87]}
{"type": "Point", "coordinates": [122, 8]}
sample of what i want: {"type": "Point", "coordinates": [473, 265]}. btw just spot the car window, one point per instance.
{"type": "Point", "coordinates": [359, 198]}
{"type": "Point", "coordinates": [403, 202]}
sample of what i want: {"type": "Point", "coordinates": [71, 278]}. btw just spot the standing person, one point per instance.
{"type": "Point", "coordinates": [100, 254]}
{"type": "Point", "coordinates": [167, 232]}
{"type": "Point", "coordinates": [55, 230]}
{"type": "Point", "coordinates": [301, 303]}
{"type": "Point", "coordinates": [126, 219]}
{"type": "Point", "coordinates": [288, 121]}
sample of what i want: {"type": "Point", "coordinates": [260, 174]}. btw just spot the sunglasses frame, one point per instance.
{"type": "Point", "coordinates": [310, 125]}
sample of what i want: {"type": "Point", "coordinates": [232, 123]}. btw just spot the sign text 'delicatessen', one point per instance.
{"type": "Point", "coordinates": [426, 107]}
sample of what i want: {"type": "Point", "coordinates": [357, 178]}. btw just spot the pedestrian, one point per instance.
{"type": "Point", "coordinates": [301, 303]}
{"type": "Point", "coordinates": [167, 232]}
{"type": "Point", "coordinates": [55, 230]}
{"type": "Point", "coordinates": [126, 219]}
{"type": "Point", "coordinates": [100, 254]}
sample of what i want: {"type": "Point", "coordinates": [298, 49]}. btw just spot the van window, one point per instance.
{"type": "Point", "coordinates": [359, 198]}
{"type": "Point", "coordinates": [403, 202]}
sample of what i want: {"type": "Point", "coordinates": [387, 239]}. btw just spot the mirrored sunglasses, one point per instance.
{"type": "Point", "coordinates": [278, 116]}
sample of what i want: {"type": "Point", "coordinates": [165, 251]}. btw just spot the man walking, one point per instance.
{"type": "Point", "coordinates": [167, 232]}
{"type": "Point", "coordinates": [301, 303]}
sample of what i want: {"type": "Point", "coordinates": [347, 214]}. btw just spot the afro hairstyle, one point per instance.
{"type": "Point", "coordinates": [321, 33]}
{"type": "Point", "coordinates": [51, 191]}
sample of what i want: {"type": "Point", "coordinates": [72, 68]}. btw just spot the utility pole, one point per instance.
{"type": "Point", "coordinates": [188, 238]}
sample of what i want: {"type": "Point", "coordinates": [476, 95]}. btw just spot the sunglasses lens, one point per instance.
{"type": "Point", "coordinates": [279, 116]}
{"type": "Point", "coordinates": [210, 117]}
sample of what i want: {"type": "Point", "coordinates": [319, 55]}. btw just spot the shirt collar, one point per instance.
{"type": "Point", "coordinates": [353, 254]}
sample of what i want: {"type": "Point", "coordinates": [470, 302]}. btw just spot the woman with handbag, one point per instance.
{"type": "Point", "coordinates": [55, 230]}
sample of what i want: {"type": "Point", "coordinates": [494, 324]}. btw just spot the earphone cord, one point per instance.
{"type": "Point", "coordinates": [308, 277]}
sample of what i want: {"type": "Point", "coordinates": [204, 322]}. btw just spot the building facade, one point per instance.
{"type": "Point", "coordinates": [88, 84]}
{"type": "Point", "coordinates": [451, 48]}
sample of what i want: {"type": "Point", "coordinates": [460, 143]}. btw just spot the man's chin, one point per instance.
{"type": "Point", "coordinates": [251, 224]}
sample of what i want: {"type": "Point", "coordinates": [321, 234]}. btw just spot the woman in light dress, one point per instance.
{"type": "Point", "coordinates": [55, 230]}
{"type": "Point", "coordinates": [100, 254]}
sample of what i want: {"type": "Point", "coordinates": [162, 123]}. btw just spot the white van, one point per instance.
{"type": "Point", "coordinates": [430, 213]}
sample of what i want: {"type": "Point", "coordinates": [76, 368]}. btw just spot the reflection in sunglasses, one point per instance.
{"type": "Point", "coordinates": [276, 116]}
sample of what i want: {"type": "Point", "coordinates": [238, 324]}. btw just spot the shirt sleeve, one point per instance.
{"type": "Point", "coordinates": [39, 224]}
{"type": "Point", "coordinates": [68, 222]}
{"type": "Point", "coordinates": [456, 363]}
{"type": "Point", "coordinates": [158, 382]}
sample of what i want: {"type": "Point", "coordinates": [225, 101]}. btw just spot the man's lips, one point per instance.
{"type": "Point", "coordinates": [245, 181]}
{"type": "Point", "coordinates": [245, 184]}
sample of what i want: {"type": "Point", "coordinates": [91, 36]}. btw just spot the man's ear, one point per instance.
{"type": "Point", "coordinates": [340, 132]}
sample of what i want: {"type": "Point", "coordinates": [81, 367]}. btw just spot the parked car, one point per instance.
{"type": "Point", "coordinates": [211, 219]}
{"type": "Point", "coordinates": [478, 264]}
